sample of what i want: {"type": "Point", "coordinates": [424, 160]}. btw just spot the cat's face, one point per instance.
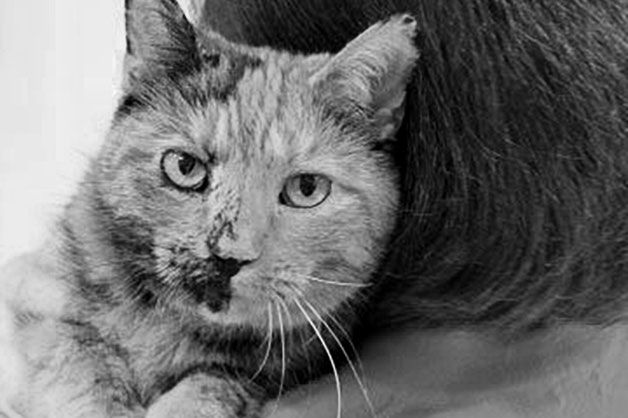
{"type": "Point", "coordinates": [251, 181]}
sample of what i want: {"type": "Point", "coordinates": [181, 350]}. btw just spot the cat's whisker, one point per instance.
{"type": "Point", "coordinates": [347, 337]}
{"type": "Point", "coordinates": [269, 336]}
{"type": "Point", "coordinates": [284, 307]}
{"type": "Point", "coordinates": [299, 293]}
{"type": "Point", "coordinates": [329, 355]}
{"type": "Point", "coordinates": [283, 351]}
{"type": "Point", "coordinates": [356, 375]}
{"type": "Point", "coordinates": [283, 357]}
{"type": "Point", "coordinates": [333, 282]}
{"type": "Point", "coordinates": [297, 332]}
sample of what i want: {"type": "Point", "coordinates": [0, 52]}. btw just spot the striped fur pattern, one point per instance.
{"type": "Point", "coordinates": [207, 300]}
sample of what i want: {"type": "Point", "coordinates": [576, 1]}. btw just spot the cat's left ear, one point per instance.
{"type": "Point", "coordinates": [371, 74]}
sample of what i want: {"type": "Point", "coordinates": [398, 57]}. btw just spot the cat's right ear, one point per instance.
{"type": "Point", "coordinates": [158, 37]}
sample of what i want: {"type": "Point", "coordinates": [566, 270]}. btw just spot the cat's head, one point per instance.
{"type": "Point", "coordinates": [236, 181]}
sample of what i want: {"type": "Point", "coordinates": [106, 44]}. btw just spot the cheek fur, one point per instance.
{"type": "Point", "coordinates": [328, 254]}
{"type": "Point", "coordinates": [181, 240]}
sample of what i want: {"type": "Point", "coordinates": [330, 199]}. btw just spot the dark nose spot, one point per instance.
{"type": "Point", "coordinates": [226, 268]}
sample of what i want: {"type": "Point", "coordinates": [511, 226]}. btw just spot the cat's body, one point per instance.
{"type": "Point", "coordinates": [239, 205]}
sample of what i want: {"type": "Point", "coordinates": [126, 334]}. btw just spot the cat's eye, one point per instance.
{"type": "Point", "coordinates": [305, 191]}
{"type": "Point", "coordinates": [184, 170]}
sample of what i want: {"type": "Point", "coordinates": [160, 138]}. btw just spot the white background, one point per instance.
{"type": "Point", "coordinates": [60, 66]}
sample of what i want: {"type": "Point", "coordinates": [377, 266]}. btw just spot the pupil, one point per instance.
{"type": "Point", "coordinates": [307, 185]}
{"type": "Point", "coordinates": [186, 164]}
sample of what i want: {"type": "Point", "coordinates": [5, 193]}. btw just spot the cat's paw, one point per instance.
{"type": "Point", "coordinates": [204, 396]}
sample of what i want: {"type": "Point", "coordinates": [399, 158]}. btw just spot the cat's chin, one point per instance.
{"type": "Point", "coordinates": [241, 311]}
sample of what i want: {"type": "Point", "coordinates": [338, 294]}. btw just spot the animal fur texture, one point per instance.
{"type": "Point", "coordinates": [223, 239]}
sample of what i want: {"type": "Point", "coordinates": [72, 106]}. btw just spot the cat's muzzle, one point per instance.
{"type": "Point", "coordinates": [213, 287]}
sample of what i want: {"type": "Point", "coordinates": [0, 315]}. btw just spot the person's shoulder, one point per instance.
{"type": "Point", "coordinates": [569, 372]}
{"type": "Point", "coordinates": [593, 383]}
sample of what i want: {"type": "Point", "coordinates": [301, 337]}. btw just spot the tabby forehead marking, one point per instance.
{"type": "Point", "coordinates": [250, 122]}
{"type": "Point", "coordinates": [225, 69]}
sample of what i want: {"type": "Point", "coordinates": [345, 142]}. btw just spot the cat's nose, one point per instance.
{"type": "Point", "coordinates": [242, 251]}
{"type": "Point", "coordinates": [226, 268]}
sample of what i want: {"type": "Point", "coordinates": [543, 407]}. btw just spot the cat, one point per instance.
{"type": "Point", "coordinates": [221, 243]}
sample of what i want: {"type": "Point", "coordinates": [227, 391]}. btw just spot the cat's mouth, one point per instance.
{"type": "Point", "coordinates": [241, 299]}
{"type": "Point", "coordinates": [214, 294]}
{"type": "Point", "coordinates": [211, 286]}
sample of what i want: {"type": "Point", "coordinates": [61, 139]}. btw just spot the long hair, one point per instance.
{"type": "Point", "coordinates": [514, 152]}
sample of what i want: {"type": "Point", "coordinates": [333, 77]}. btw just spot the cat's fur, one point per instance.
{"type": "Point", "coordinates": [149, 321]}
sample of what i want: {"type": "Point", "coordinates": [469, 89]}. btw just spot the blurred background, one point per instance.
{"type": "Point", "coordinates": [60, 66]}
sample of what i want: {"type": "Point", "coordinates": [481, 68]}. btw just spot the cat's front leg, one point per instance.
{"type": "Point", "coordinates": [206, 396]}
